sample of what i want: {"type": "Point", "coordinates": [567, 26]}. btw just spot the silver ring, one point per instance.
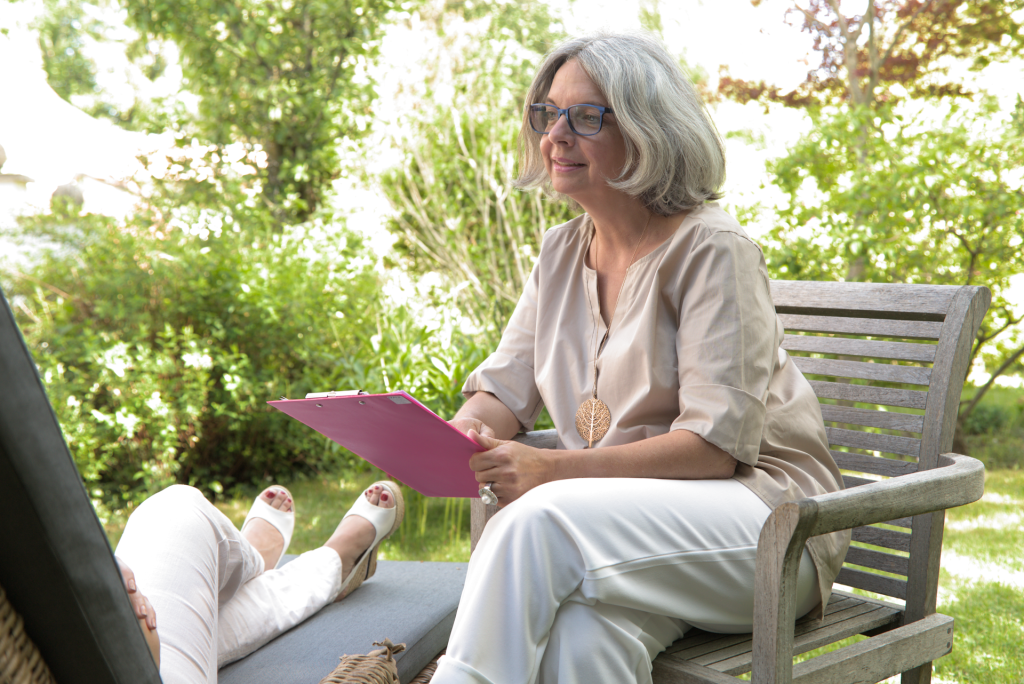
{"type": "Point", "coordinates": [487, 495]}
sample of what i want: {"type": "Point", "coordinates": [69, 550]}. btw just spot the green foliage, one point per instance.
{"type": "Point", "coordinates": [456, 212]}
{"type": "Point", "coordinates": [161, 339]}
{"type": "Point", "coordinates": [289, 77]}
{"type": "Point", "coordinates": [885, 197]}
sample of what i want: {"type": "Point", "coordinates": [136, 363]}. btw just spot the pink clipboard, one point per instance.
{"type": "Point", "coordinates": [397, 434]}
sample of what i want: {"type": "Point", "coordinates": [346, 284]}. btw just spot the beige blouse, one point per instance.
{"type": "Point", "coordinates": [694, 345]}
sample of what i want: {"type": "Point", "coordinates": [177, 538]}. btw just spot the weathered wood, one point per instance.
{"type": "Point", "coordinates": [479, 514]}
{"type": "Point", "coordinates": [866, 394]}
{"type": "Point", "coordinates": [779, 549]}
{"type": "Point", "coordinates": [869, 581]}
{"type": "Point", "coordinates": [872, 441]}
{"type": "Point", "coordinates": [850, 481]}
{"type": "Point", "coordinates": [952, 359]}
{"type": "Point", "coordinates": [960, 482]}
{"type": "Point", "coordinates": [846, 615]}
{"type": "Point", "coordinates": [873, 327]}
{"type": "Point", "coordinates": [887, 420]}
{"type": "Point", "coordinates": [876, 465]}
{"type": "Point", "coordinates": [877, 560]}
{"type": "Point", "coordinates": [907, 522]}
{"type": "Point", "coordinates": [890, 539]}
{"type": "Point", "coordinates": [882, 656]}
{"type": "Point", "coordinates": [862, 370]}
{"type": "Point", "coordinates": [862, 300]}
{"type": "Point", "coordinates": [900, 351]}
{"type": "Point", "coordinates": [673, 671]}
{"type": "Point", "coordinates": [538, 439]}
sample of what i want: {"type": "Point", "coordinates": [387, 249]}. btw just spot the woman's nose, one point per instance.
{"type": "Point", "coordinates": [561, 132]}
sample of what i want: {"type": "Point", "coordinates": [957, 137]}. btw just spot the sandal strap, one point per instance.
{"type": "Point", "coordinates": [382, 519]}
{"type": "Point", "coordinates": [282, 521]}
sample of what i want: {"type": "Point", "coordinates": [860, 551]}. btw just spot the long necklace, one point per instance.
{"type": "Point", "coordinates": [593, 417]}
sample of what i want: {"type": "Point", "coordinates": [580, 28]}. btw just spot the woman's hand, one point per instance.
{"type": "Point", "coordinates": [464, 425]}
{"type": "Point", "coordinates": [143, 609]}
{"type": "Point", "coordinates": [514, 468]}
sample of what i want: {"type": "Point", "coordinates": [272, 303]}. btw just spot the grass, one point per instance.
{"type": "Point", "coordinates": [981, 583]}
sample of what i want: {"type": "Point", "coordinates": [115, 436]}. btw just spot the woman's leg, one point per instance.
{"type": "Point", "coordinates": [681, 549]}
{"type": "Point", "coordinates": [187, 556]}
{"type": "Point", "coordinates": [277, 600]}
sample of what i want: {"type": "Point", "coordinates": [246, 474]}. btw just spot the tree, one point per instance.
{"type": "Point", "coordinates": [288, 77]}
{"type": "Point", "coordinates": [914, 202]}
{"type": "Point", "coordinates": [456, 212]}
{"type": "Point", "coordinates": [907, 42]}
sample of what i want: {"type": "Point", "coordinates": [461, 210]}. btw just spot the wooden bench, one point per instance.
{"type": "Point", "coordinates": [888, 363]}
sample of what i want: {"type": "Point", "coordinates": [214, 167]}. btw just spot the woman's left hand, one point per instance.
{"type": "Point", "coordinates": [514, 468]}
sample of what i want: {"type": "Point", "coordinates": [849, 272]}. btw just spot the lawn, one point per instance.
{"type": "Point", "coordinates": [981, 584]}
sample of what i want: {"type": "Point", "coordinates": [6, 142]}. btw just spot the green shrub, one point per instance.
{"type": "Point", "coordinates": [986, 418]}
{"type": "Point", "coordinates": [160, 342]}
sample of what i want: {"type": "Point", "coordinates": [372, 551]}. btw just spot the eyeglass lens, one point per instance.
{"type": "Point", "coordinates": [583, 119]}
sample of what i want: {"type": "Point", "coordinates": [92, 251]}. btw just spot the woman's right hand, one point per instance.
{"type": "Point", "coordinates": [464, 425]}
{"type": "Point", "coordinates": [143, 609]}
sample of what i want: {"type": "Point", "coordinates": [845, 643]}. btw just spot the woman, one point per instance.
{"type": "Point", "coordinates": [648, 331]}
{"type": "Point", "coordinates": [218, 591]}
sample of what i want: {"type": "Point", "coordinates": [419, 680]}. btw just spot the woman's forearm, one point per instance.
{"type": "Point", "coordinates": [676, 455]}
{"type": "Point", "coordinates": [488, 409]}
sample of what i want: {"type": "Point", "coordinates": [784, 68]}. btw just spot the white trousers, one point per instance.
{"type": "Point", "coordinates": [214, 603]}
{"type": "Point", "coordinates": [585, 581]}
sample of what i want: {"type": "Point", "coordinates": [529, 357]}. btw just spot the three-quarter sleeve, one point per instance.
{"type": "Point", "coordinates": [508, 373]}
{"type": "Point", "coordinates": [725, 344]}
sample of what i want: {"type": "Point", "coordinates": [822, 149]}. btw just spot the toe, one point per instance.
{"type": "Point", "coordinates": [373, 494]}
{"type": "Point", "coordinates": [386, 500]}
{"type": "Point", "coordinates": [271, 497]}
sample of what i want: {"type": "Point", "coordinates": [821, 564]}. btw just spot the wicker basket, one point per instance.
{"type": "Point", "coordinates": [375, 667]}
{"type": "Point", "coordinates": [20, 662]}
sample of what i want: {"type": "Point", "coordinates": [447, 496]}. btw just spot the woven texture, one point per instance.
{"type": "Point", "coordinates": [20, 662]}
{"type": "Point", "coordinates": [375, 667]}
{"type": "Point", "coordinates": [427, 673]}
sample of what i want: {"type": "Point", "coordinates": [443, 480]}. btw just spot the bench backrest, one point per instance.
{"type": "Point", "coordinates": [888, 362]}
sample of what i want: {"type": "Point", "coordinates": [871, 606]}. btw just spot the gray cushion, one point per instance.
{"type": "Point", "coordinates": [408, 602]}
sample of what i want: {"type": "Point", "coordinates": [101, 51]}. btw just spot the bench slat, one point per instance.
{"type": "Point", "coordinates": [890, 539]}
{"type": "Point", "coordinates": [863, 300]}
{"type": "Point", "coordinates": [867, 394]}
{"type": "Point", "coordinates": [874, 327]}
{"type": "Point", "coordinates": [882, 372]}
{"type": "Point", "coordinates": [876, 465]}
{"type": "Point", "coordinates": [852, 481]}
{"type": "Point", "coordinates": [901, 351]}
{"type": "Point", "coordinates": [878, 560]}
{"type": "Point", "coordinates": [869, 581]}
{"type": "Point", "coordinates": [887, 420]}
{"type": "Point", "coordinates": [846, 615]}
{"type": "Point", "coordinates": [871, 441]}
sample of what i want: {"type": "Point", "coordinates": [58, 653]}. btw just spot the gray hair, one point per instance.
{"type": "Point", "coordinates": [675, 159]}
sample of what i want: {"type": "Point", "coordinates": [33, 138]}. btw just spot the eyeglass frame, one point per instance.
{"type": "Point", "coordinates": [568, 119]}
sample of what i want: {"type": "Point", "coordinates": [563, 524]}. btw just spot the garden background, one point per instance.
{"type": "Point", "coordinates": [283, 197]}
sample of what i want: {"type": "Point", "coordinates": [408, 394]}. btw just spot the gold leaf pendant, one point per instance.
{"type": "Point", "coordinates": [593, 420]}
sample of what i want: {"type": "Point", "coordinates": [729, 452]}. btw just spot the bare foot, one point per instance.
{"type": "Point", "coordinates": [264, 536]}
{"type": "Point", "coordinates": [355, 534]}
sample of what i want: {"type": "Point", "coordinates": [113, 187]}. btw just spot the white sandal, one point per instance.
{"type": "Point", "coordinates": [385, 521]}
{"type": "Point", "coordinates": [282, 521]}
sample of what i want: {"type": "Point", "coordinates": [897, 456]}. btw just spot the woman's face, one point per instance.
{"type": "Point", "coordinates": [579, 166]}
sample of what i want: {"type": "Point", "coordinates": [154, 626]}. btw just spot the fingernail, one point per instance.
{"type": "Point", "coordinates": [131, 585]}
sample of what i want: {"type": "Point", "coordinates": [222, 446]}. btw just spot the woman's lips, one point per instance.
{"type": "Point", "coordinates": [564, 165]}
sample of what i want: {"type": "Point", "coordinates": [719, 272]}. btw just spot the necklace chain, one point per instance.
{"type": "Point", "coordinates": [593, 419]}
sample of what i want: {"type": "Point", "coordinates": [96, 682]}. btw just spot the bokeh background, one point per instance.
{"type": "Point", "coordinates": [206, 204]}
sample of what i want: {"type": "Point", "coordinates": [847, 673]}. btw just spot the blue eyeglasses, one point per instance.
{"type": "Point", "coordinates": [584, 119]}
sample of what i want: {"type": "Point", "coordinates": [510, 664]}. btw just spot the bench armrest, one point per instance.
{"type": "Point", "coordinates": [957, 480]}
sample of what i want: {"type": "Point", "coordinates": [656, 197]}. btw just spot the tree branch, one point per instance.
{"type": "Point", "coordinates": [988, 385]}
{"type": "Point", "coordinates": [901, 29]}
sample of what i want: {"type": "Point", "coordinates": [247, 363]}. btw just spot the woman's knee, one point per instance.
{"type": "Point", "coordinates": [174, 505]}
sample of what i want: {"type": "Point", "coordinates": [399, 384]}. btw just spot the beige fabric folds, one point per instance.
{"type": "Point", "coordinates": [695, 345]}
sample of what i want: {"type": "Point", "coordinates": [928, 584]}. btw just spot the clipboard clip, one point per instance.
{"type": "Point", "coordinates": [336, 393]}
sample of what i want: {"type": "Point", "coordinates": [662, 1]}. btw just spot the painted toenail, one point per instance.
{"type": "Point", "coordinates": [384, 496]}
{"type": "Point", "coordinates": [271, 493]}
